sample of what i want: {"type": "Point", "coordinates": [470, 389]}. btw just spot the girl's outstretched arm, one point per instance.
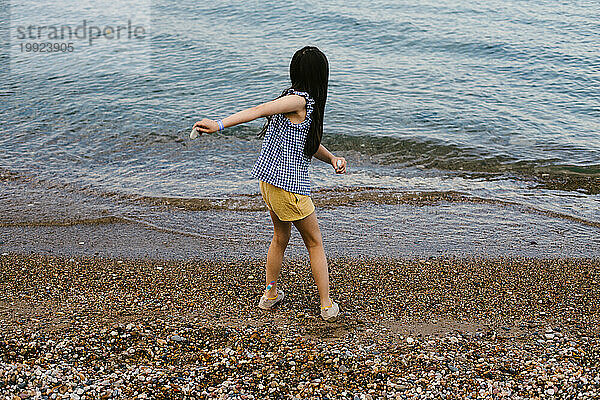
{"type": "Point", "coordinates": [285, 104]}
{"type": "Point", "coordinates": [325, 155]}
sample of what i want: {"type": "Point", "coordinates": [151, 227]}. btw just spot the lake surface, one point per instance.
{"type": "Point", "coordinates": [493, 103]}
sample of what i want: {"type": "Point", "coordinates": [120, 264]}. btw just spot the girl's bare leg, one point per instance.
{"type": "Point", "coordinates": [309, 229]}
{"type": "Point", "coordinates": [281, 237]}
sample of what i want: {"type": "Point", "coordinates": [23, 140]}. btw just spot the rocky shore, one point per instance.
{"type": "Point", "coordinates": [97, 328]}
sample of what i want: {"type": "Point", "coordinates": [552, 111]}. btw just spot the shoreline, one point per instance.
{"type": "Point", "coordinates": [45, 217]}
{"type": "Point", "coordinates": [97, 327]}
{"type": "Point", "coordinates": [397, 231]}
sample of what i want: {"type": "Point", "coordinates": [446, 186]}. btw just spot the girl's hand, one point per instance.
{"type": "Point", "coordinates": [339, 164]}
{"type": "Point", "coordinates": [206, 126]}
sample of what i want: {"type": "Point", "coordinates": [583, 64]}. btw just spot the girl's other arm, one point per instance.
{"type": "Point", "coordinates": [325, 155]}
{"type": "Point", "coordinates": [285, 104]}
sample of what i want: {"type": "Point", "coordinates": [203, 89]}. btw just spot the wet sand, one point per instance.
{"type": "Point", "coordinates": [90, 327]}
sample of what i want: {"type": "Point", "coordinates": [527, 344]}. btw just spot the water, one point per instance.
{"type": "Point", "coordinates": [497, 102]}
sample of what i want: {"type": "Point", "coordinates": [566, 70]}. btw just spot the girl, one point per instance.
{"type": "Point", "coordinates": [292, 136]}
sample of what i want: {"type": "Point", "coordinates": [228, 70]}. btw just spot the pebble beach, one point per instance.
{"type": "Point", "coordinates": [102, 328]}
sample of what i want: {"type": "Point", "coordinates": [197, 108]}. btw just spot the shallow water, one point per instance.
{"type": "Point", "coordinates": [494, 102]}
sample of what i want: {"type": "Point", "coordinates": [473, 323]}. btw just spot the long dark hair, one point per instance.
{"type": "Point", "coordinates": [309, 72]}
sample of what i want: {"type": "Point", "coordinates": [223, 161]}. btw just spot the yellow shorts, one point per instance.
{"type": "Point", "coordinates": [286, 205]}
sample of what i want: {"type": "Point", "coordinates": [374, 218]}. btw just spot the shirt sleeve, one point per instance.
{"type": "Point", "coordinates": [309, 100]}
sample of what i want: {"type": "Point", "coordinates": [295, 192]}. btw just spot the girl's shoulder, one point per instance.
{"type": "Point", "coordinates": [309, 100]}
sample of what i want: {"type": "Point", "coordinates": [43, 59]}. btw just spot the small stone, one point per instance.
{"type": "Point", "coordinates": [177, 338]}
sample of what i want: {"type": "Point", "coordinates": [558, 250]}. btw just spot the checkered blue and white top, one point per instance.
{"type": "Point", "coordinates": [282, 162]}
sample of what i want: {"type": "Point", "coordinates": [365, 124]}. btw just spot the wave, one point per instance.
{"type": "Point", "coordinates": [324, 199]}
{"type": "Point", "coordinates": [467, 161]}
{"type": "Point", "coordinates": [413, 151]}
{"type": "Point", "coordinates": [354, 196]}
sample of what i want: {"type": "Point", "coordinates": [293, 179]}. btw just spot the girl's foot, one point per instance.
{"type": "Point", "coordinates": [327, 303]}
{"type": "Point", "coordinates": [331, 313]}
{"type": "Point", "coordinates": [267, 303]}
